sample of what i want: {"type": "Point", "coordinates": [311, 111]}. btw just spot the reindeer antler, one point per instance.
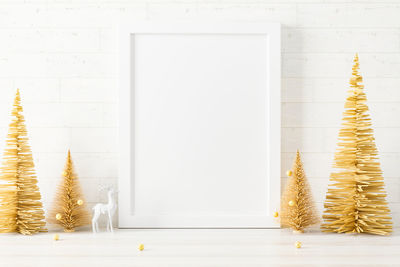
{"type": "Point", "coordinates": [107, 187]}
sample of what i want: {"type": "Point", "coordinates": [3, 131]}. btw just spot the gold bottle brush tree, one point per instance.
{"type": "Point", "coordinates": [21, 208]}
{"type": "Point", "coordinates": [356, 199]}
{"type": "Point", "coordinates": [297, 206]}
{"type": "Point", "coordinates": [69, 209]}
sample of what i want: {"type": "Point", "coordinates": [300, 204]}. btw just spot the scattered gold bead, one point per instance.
{"type": "Point", "coordinates": [291, 203]}
{"type": "Point", "coordinates": [276, 214]}
{"type": "Point", "coordinates": [141, 247]}
{"type": "Point", "coordinates": [56, 237]}
{"type": "Point", "coordinates": [289, 173]}
{"type": "Point", "coordinates": [297, 244]}
{"type": "Point", "coordinates": [79, 202]}
{"type": "Point", "coordinates": [58, 216]}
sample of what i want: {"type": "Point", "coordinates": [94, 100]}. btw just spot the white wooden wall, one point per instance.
{"type": "Point", "coordinates": [62, 55]}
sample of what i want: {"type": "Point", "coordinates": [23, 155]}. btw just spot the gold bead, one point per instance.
{"type": "Point", "coordinates": [291, 203]}
{"type": "Point", "coordinates": [56, 237]}
{"type": "Point", "coordinates": [289, 173]}
{"type": "Point", "coordinates": [64, 174]}
{"type": "Point", "coordinates": [297, 244]}
{"type": "Point", "coordinates": [276, 214]}
{"type": "Point", "coordinates": [79, 202]}
{"type": "Point", "coordinates": [141, 247]}
{"type": "Point", "coordinates": [58, 216]}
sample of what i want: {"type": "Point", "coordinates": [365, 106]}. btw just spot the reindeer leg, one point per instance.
{"type": "Point", "coordinates": [95, 227]}
{"type": "Point", "coordinates": [110, 221]}
{"type": "Point", "coordinates": [94, 223]}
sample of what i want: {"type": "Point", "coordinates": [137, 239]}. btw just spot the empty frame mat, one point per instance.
{"type": "Point", "coordinates": [200, 130]}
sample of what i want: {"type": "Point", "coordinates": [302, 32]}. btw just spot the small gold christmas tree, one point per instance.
{"type": "Point", "coordinates": [20, 206]}
{"type": "Point", "coordinates": [356, 203]}
{"type": "Point", "coordinates": [69, 210]}
{"type": "Point", "coordinates": [297, 206]}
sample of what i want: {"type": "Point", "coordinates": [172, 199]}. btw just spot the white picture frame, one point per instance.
{"type": "Point", "coordinates": [171, 74]}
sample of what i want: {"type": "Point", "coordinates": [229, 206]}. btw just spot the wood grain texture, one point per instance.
{"type": "Point", "coordinates": [195, 248]}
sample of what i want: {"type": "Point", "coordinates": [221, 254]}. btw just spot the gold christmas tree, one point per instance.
{"type": "Point", "coordinates": [69, 210]}
{"type": "Point", "coordinates": [20, 206]}
{"type": "Point", "coordinates": [297, 206]}
{"type": "Point", "coordinates": [355, 201]}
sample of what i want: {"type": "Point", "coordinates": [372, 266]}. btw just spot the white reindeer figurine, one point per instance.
{"type": "Point", "coordinates": [108, 209]}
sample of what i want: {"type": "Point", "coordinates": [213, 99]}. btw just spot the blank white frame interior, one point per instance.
{"type": "Point", "coordinates": [199, 125]}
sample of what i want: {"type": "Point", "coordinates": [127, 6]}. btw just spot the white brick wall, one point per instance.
{"type": "Point", "coordinates": [62, 55]}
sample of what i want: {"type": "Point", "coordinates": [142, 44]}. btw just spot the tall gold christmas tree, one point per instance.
{"type": "Point", "coordinates": [297, 206]}
{"type": "Point", "coordinates": [355, 201]}
{"type": "Point", "coordinates": [69, 210]}
{"type": "Point", "coordinates": [20, 206]}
